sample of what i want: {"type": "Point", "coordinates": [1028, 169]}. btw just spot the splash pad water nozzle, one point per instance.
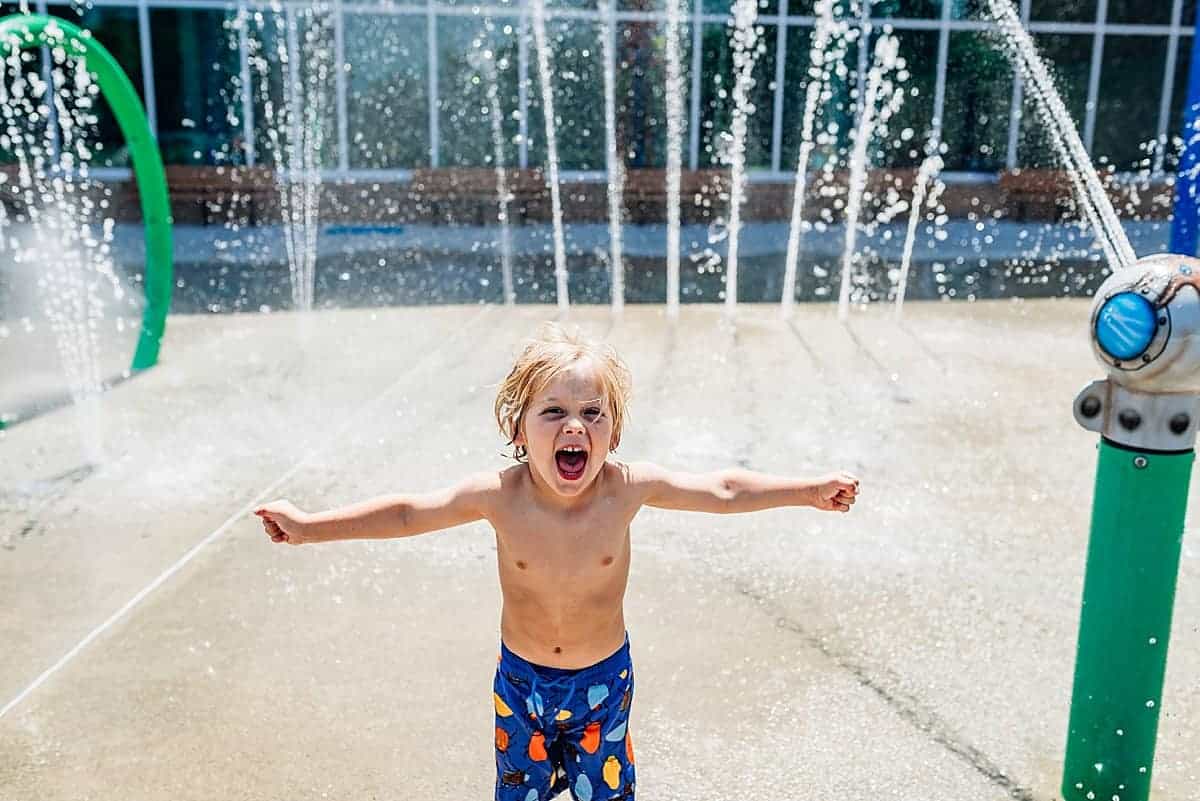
{"type": "Point", "coordinates": [1145, 331]}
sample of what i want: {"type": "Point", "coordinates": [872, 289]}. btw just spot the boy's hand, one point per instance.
{"type": "Point", "coordinates": [284, 522]}
{"type": "Point", "coordinates": [835, 492]}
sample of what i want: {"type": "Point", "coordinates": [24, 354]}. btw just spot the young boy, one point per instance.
{"type": "Point", "coordinates": [564, 680]}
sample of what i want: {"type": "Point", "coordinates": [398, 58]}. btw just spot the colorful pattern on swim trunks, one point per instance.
{"type": "Point", "coordinates": [562, 730]}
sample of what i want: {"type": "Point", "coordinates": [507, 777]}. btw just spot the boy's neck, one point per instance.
{"type": "Point", "coordinates": [546, 495]}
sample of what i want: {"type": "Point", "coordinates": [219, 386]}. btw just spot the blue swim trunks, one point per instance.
{"type": "Point", "coordinates": [560, 729]}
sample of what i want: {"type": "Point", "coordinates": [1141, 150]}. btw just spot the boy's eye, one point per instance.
{"type": "Point", "coordinates": [552, 410]}
{"type": "Point", "coordinates": [592, 414]}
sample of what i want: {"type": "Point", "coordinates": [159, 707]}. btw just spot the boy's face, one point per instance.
{"type": "Point", "coordinates": [567, 430]}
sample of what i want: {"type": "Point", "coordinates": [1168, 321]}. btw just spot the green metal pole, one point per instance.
{"type": "Point", "coordinates": [1128, 596]}
{"type": "Point", "coordinates": [1144, 325]}
{"type": "Point", "coordinates": [24, 31]}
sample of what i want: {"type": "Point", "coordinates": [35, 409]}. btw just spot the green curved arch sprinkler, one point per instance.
{"type": "Point", "coordinates": [26, 31]}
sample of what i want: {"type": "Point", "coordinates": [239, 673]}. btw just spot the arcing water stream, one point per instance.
{"type": "Point", "coordinates": [1061, 132]}
{"type": "Point", "coordinates": [929, 169]}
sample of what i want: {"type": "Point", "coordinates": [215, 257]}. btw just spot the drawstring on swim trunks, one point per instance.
{"type": "Point", "coordinates": [551, 685]}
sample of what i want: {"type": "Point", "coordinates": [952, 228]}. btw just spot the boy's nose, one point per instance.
{"type": "Point", "coordinates": [573, 425]}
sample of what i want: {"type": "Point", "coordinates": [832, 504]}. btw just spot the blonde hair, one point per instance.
{"type": "Point", "coordinates": [550, 351]}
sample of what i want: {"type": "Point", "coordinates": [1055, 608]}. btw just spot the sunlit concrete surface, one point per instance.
{"type": "Point", "coordinates": [921, 647]}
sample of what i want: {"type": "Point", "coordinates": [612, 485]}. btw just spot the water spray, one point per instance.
{"type": "Point", "coordinates": [612, 155]}
{"type": "Point", "coordinates": [23, 31]}
{"type": "Point", "coordinates": [545, 71]}
{"type": "Point", "coordinates": [295, 126]}
{"type": "Point", "coordinates": [674, 153]}
{"type": "Point", "coordinates": [1063, 136]}
{"type": "Point", "coordinates": [887, 49]}
{"type": "Point", "coordinates": [930, 167]}
{"type": "Point", "coordinates": [820, 60]}
{"type": "Point", "coordinates": [484, 59]}
{"type": "Point", "coordinates": [746, 49]}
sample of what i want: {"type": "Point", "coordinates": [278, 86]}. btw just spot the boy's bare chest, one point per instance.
{"type": "Point", "coordinates": [533, 542]}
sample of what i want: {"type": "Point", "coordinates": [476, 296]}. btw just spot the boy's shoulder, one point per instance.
{"type": "Point", "coordinates": [504, 481]}
{"type": "Point", "coordinates": [492, 481]}
{"type": "Point", "coordinates": [636, 473]}
{"type": "Point", "coordinates": [481, 490]}
{"type": "Point", "coordinates": [636, 469]}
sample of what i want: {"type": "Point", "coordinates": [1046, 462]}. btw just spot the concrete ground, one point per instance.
{"type": "Point", "coordinates": [156, 645]}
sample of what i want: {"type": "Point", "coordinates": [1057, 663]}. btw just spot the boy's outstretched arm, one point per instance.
{"type": "Point", "coordinates": [738, 490]}
{"type": "Point", "coordinates": [401, 515]}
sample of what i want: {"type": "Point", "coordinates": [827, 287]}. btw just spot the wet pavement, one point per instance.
{"type": "Point", "coordinates": [158, 646]}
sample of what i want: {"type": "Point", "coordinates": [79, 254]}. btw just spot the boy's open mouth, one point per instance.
{"type": "Point", "coordinates": [571, 462]}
